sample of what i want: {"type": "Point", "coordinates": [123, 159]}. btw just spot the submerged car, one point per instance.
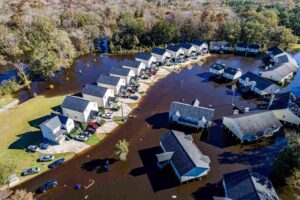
{"type": "Point", "coordinates": [46, 158]}
{"type": "Point", "coordinates": [30, 171]}
{"type": "Point", "coordinates": [47, 186]}
{"type": "Point", "coordinates": [57, 163]}
{"type": "Point", "coordinates": [32, 148]}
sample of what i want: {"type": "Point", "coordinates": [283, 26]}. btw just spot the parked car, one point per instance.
{"type": "Point", "coordinates": [86, 134]}
{"type": "Point", "coordinates": [81, 138]}
{"type": "Point", "coordinates": [91, 130]}
{"type": "Point", "coordinates": [32, 148]}
{"type": "Point", "coordinates": [131, 90]}
{"type": "Point", "coordinates": [57, 163]}
{"type": "Point", "coordinates": [47, 186]}
{"type": "Point", "coordinates": [44, 145]}
{"type": "Point", "coordinates": [107, 115]}
{"type": "Point", "coordinates": [30, 171]}
{"type": "Point", "coordinates": [46, 158]}
{"type": "Point", "coordinates": [93, 125]}
{"type": "Point", "coordinates": [134, 97]}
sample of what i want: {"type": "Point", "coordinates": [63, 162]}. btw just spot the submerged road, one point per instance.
{"type": "Point", "coordinates": [138, 177]}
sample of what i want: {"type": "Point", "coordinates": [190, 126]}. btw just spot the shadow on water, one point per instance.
{"type": "Point", "coordinates": [159, 120]}
{"type": "Point", "coordinates": [26, 139]}
{"type": "Point", "coordinates": [97, 164]}
{"type": "Point", "coordinates": [208, 191]}
{"type": "Point", "coordinates": [205, 76]}
{"type": "Point", "coordinates": [159, 179]}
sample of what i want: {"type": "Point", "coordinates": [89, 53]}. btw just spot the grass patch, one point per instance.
{"type": "Point", "coordinates": [133, 105]}
{"type": "Point", "coordinates": [294, 48]}
{"type": "Point", "coordinates": [19, 128]}
{"type": "Point", "coordinates": [118, 119]}
{"type": "Point", "coordinates": [95, 139]}
{"type": "Point", "coordinates": [6, 100]}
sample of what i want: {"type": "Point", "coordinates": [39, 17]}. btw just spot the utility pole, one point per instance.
{"type": "Point", "coordinates": [233, 88]}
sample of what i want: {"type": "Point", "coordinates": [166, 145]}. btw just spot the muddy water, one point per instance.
{"type": "Point", "coordinates": [138, 177]}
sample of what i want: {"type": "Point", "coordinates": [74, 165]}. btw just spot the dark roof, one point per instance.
{"type": "Point", "coordinates": [249, 185]}
{"type": "Point", "coordinates": [261, 83]}
{"type": "Point", "coordinates": [276, 50]}
{"type": "Point", "coordinates": [282, 59]}
{"type": "Point", "coordinates": [143, 56]}
{"type": "Point", "coordinates": [173, 48]}
{"type": "Point", "coordinates": [253, 46]}
{"type": "Point", "coordinates": [231, 70]}
{"type": "Point", "coordinates": [192, 111]}
{"type": "Point", "coordinates": [94, 90]}
{"type": "Point", "coordinates": [186, 155]}
{"type": "Point", "coordinates": [75, 103]}
{"type": "Point", "coordinates": [286, 101]}
{"type": "Point", "coordinates": [217, 66]}
{"type": "Point", "coordinates": [119, 71]}
{"type": "Point", "coordinates": [132, 63]}
{"type": "Point", "coordinates": [198, 42]}
{"type": "Point", "coordinates": [186, 45]}
{"type": "Point", "coordinates": [63, 119]}
{"type": "Point", "coordinates": [244, 45]}
{"type": "Point", "coordinates": [228, 44]}
{"type": "Point", "coordinates": [158, 51]}
{"type": "Point", "coordinates": [108, 80]}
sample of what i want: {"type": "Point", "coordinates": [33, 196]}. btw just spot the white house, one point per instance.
{"type": "Point", "coordinates": [111, 82]}
{"type": "Point", "coordinates": [257, 84]}
{"type": "Point", "coordinates": [241, 48]}
{"type": "Point", "coordinates": [191, 115]}
{"type": "Point", "coordinates": [175, 51]}
{"type": "Point", "coordinates": [217, 46]}
{"type": "Point", "coordinates": [252, 125]}
{"type": "Point", "coordinates": [228, 47]}
{"type": "Point", "coordinates": [188, 49]}
{"type": "Point", "coordinates": [217, 69]}
{"type": "Point", "coordinates": [232, 73]}
{"type": "Point", "coordinates": [200, 46]}
{"type": "Point", "coordinates": [136, 66]}
{"type": "Point", "coordinates": [123, 73]}
{"type": "Point", "coordinates": [161, 55]}
{"type": "Point", "coordinates": [55, 128]}
{"type": "Point", "coordinates": [253, 49]}
{"type": "Point", "coordinates": [79, 109]}
{"type": "Point", "coordinates": [274, 52]}
{"type": "Point", "coordinates": [179, 151]}
{"type": "Point", "coordinates": [98, 94]}
{"type": "Point", "coordinates": [146, 58]}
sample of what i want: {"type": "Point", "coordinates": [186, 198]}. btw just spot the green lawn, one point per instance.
{"type": "Point", "coordinates": [19, 129]}
{"type": "Point", "coordinates": [6, 100]}
{"type": "Point", "coordinates": [95, 139]}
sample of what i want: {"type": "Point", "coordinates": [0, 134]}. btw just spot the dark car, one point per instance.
{"type": "Point", "coordinates": [91, 130]}
{"type": "Point", "coordinates": [44, 145]}
{"type": "Point", "coordinates": [134, 97]}
{"type": "Point", "coordinates": [47, 186]}
{"type": "Point", "coordinates": [57, 163]}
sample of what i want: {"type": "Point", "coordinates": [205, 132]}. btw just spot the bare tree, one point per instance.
{"type": "Point", "coordinates": [22, 73]}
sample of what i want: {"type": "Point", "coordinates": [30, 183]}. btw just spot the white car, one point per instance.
{"type": "Point", "coordinates": [81, 138]}
{"type": "Point", "coordinates": [31, 171]}
{"type": "Point", "coordinates": [46, 158]}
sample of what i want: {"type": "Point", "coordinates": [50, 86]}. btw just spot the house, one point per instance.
{"type": "Point", "coordinates": [217, 46]}
{"type": "Point", "coordinates": [228, 47]}
{"type": "Point", "coordinates": [190, 115]}
{"type": "Point", "coordinates": [161, 55]}
{"type": "Point", "coordinates": [136, 66]}
{"type": "Point", "coordinates": [55, 128]}
{"type": "Point", "coordinates": [241, 48]}
{"type": "Point", "coordinates": [248, 185]}
{"type": "Point", "coordinates": [187, 161]}
{"type": "Point", "coordinates": [231, 73]}
{"type": "Point", "coordinates": [217, 69]}
{"type": "Point", "coordinates": [253, 125]}
{"type": "Point", "coordinates": [201, 47]}
{"type": "Point", "coordinates": [257, 84]}
{"type": "Point", "coordinates": [253, 49]}
{"type": "Point", "coordinates": [79, 109]}
{"type": "Point", "coordinates": [189, 49]}
{"type": "Point", "coordinates": [111, 82]}
{"type": "Point", "coordinates": [146, 58]}
{"type": "Point", "coordinates": [175, 51]}
{"type": "Point", "coordinates": [274, 52]}
{"type": "Point", "coordinates": [283, 69]}
{"type": "Point", "coordinates": [98, 94]}
{"type": "Point", "coordinates": [286, 107]}
{"type": "Point", "coordinates": [123, 73]}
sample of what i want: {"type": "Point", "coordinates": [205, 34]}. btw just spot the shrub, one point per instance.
{"type": "Point", "coordinates": [8, 87]}
{"type": "Point", "coordinates": [6, 169]}
{"type": "Point", "coordinates": [101, 122]}
{"type": "Point", "coordinates": [83, 125]}
{"type": "Point", "coordinates": [121, 149]}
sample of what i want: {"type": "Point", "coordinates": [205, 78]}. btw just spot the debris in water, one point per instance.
{"type": "Point", "coordinates": [174, 197]}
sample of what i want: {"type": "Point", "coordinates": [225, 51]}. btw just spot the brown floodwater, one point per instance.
{"type": "Point", "coordinates": [138, 177]}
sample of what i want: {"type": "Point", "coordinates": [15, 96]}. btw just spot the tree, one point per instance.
{"type": "Point", "coordinates": [21, 195]}
{"type": "Point", "coordinates": [121, 149]}
{"type": "Point", "coordinates": [231, 30]}
{"type": "Point", "coordinates": [163, 32]}
{"type": "Point", "coordinates": [282, 36]}
{"type": "Point", "coordinates": [22, 73]}
{"type": "Point", "coordinates": [6, 169]}
{"type": "Point", "coordinates": [254, 32]}
{"type": "Point", "coordinates": [9, 42]}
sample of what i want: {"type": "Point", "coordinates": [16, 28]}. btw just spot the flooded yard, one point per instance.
{"type": "Point", "coordinates": [138, 177]}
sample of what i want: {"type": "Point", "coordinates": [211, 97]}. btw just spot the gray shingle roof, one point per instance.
{"type": "Point", "coordinates": [132, 63]}
{"type": "Point", "coordinates": [94, 90]}
{"type": "Point", "coordinates": [276, 51]}
{"type": "Point", "coordinates": [75, 103]}
{"type": "Point", "coordinates": [119, 71]}
{"type": "Point", "coordinates": [261, 83]}
{"type": "Point", "coordinates": [188, 110]}
{"type": "Point", "coordinates": [173, 48]}
{"type": "Point", "coordinates": [197, 42]}
{"type": "Point", "coordinates": [53, 123]}
{"type": "Point", "coordinates": [186, 45]}
{"type": "Point", "coordinates": [143, 56]}
{"type": "Point", "coordinates": [108, 80]}
{"type": "Point", "coordinates": [158, 51]}
{"type": "Point", "coordinates": [253, 46]}
{"type": "Point", "coordinates": [242, 45]}
{"type": "Point", "coordinates": [186, 155]}
{"type": "Point", "coordinates": [249, 185]}
{"type": "Point", "coordinates": [217, 66]}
